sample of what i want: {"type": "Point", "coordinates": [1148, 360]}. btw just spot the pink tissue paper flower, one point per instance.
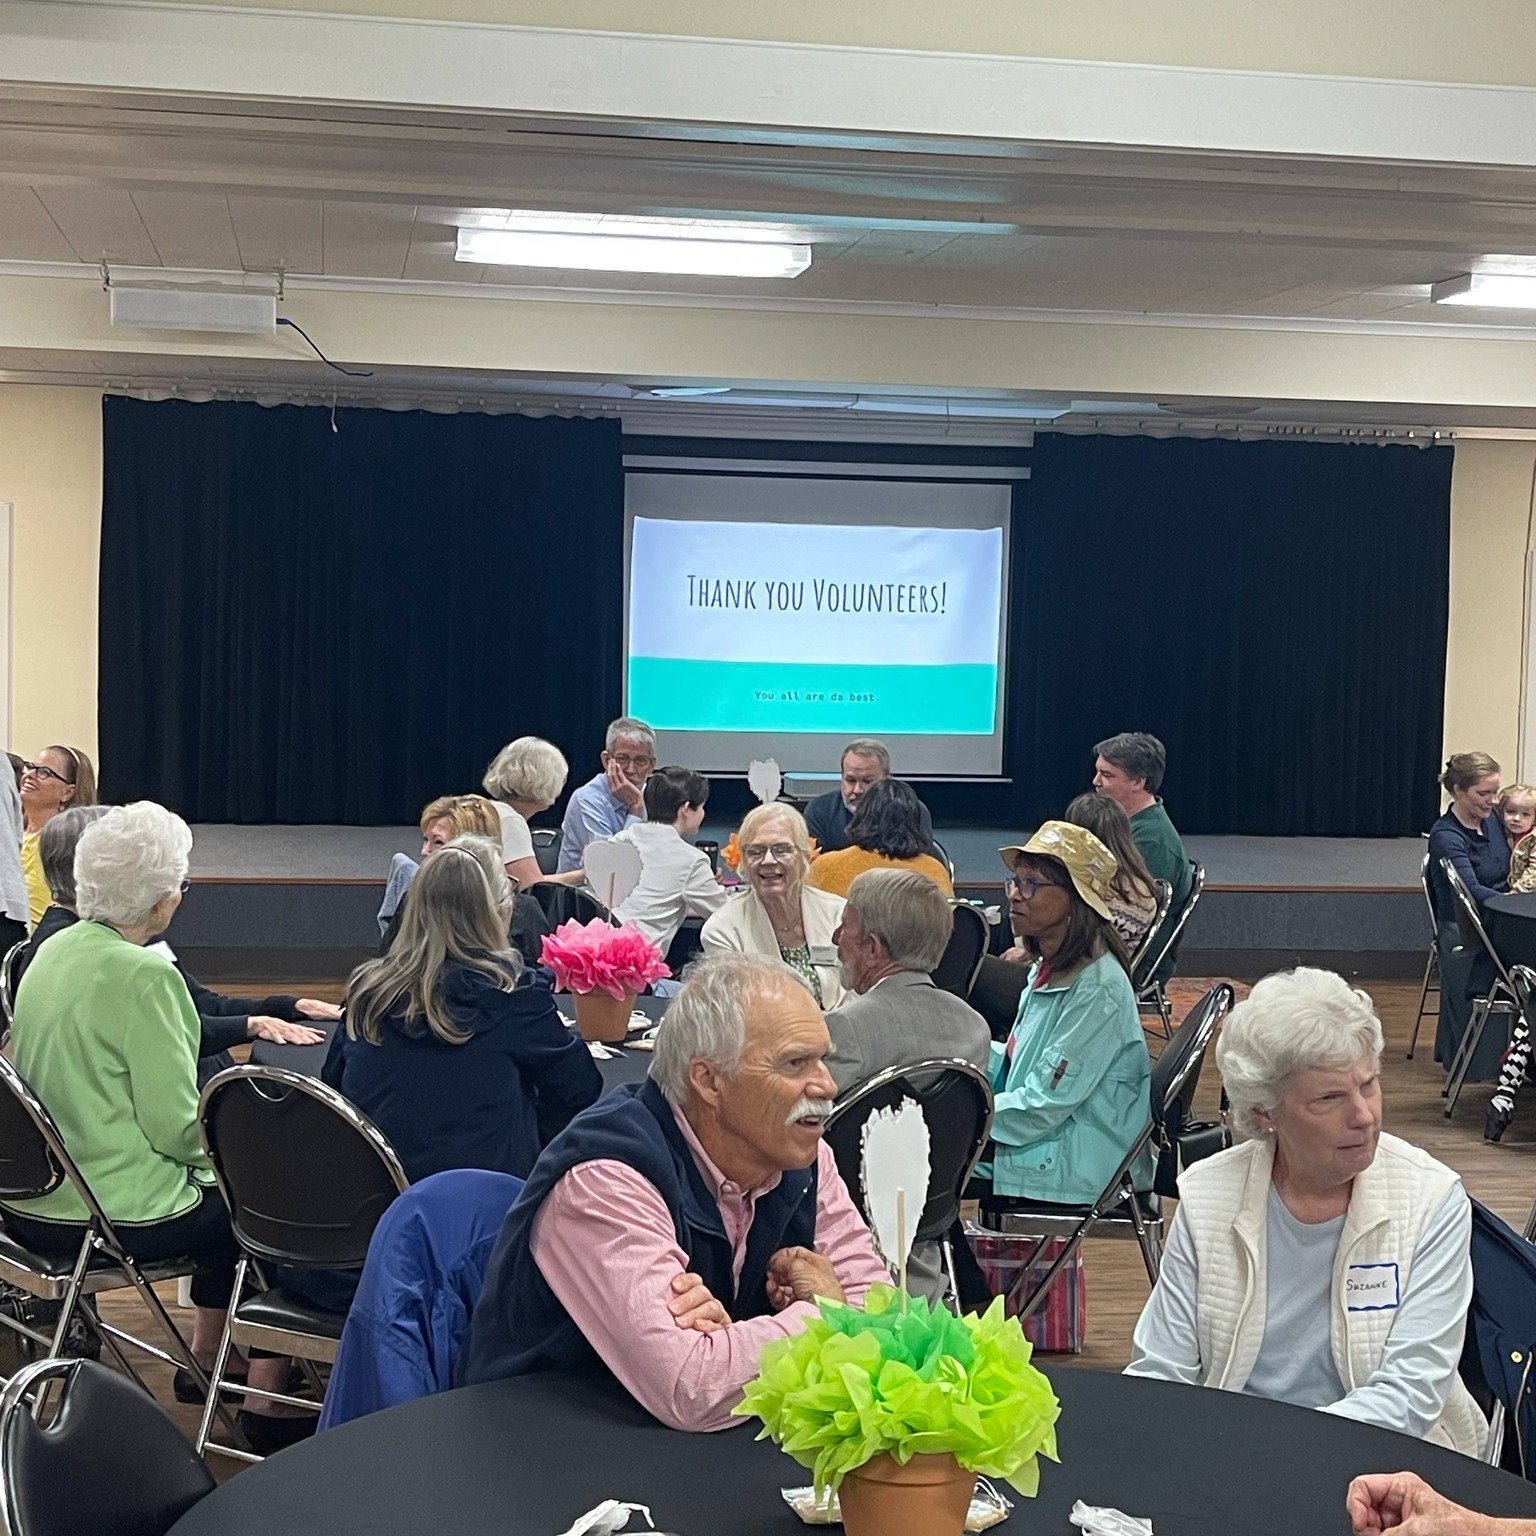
{"type": "Point", "coordinates": [597, 957]}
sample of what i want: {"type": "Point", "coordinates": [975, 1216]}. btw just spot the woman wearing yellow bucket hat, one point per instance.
{"type": "Point", "coordinates": [1072, 1081]}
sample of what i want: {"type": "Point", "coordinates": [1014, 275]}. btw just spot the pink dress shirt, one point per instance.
{"type": "Point", "coordinates": [605, 1244]}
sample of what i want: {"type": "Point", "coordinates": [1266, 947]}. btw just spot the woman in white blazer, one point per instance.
{"type": "Point", "coordinates": [1321, 1262]}
{"type": "Point", "coordinates": [779, 915]}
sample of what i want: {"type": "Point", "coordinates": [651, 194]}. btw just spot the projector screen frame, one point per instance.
{"type": "Point", "coordinates": [806, 753]}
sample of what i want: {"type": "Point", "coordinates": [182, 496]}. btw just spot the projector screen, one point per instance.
{"type": "Point", "coordinates": [778, 616]}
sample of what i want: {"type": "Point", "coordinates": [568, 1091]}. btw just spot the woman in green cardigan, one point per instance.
{"type": "Point", "coordinates": [106, 1034]}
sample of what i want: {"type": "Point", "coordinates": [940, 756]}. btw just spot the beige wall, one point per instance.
{"type": "Point", "coordinates": [1491, 489]}
{"type": "Point", "coordinates": [50, 470]}
{"type": "Point", "coordinates": [1489, 41]}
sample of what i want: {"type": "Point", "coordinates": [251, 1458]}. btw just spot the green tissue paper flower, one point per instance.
{"type": "Point", "coordinates": [907, 1380]}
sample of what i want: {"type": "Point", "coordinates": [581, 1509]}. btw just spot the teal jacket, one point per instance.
{"type": "Point", "coordinates": [1077, 1092]}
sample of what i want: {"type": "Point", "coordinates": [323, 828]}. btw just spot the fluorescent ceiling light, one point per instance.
{"type": "Point", "coordinates": [668, 250]}
{"type": "Point", "coordinates": [1489, 290]}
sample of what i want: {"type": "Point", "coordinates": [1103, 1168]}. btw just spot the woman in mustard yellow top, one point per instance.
{"type": "Point", "coordinates": [57, 777]}
{"type": "Point", "coordinates": [886, 833]}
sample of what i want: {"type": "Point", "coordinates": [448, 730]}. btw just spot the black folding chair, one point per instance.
{"type": "Point", "coordinates": [546, 848]}
{"type": "Point", "coordinates": [8, 969]}
{"type": "Point", "coordinates": [968, 939]}
{"type": "Point", "coordinates": [34, 1162]}
{"type": "Point", "coordinates": [956, 1101]}
{"type": "Point", "coordinates": [306, 1176]}
{"type": "Point", "coordinates": [1431, 963]}
{"type": "Point", "coordinates": [941, 853]}
{"type": "Point", "coordinates": [1501, 1340]}
{"type": "Point", "coordinates": [1121, 1211]}
{"type": "Point", "coordinates": [1150, 996]}
{"type": "Point", "coordinates": [1499, 998]}
{"type": "Point", "coordinates": [566, 903]}
{"type": "Point", "coordinates": [1149, 938]}
{"type": "Point", "coordinates": [111, 1461]}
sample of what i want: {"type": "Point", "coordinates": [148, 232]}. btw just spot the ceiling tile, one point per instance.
{"type": "Point", "coordinates": [366, 239]}
{"type": "Point", "coordinates": [190, 229]}
{"type": "Point", "coordinates": [27, 233]}
{"type": "Point", "coordinates": [279, 232]}
{"type": "Point", "coordinates": [100, 223]}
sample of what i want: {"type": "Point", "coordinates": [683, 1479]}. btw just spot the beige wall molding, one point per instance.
{"type": "Point", "coordinates": [297, 55]}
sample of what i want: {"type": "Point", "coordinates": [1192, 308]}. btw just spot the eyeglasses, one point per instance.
{"type": "Point", "coordinates": [631, 762]}
{"type": "Point", "coordinates": [186, 885]}
{"type": "Point", "coordinates": [755, 853]}
{"type": "Point", "coordinates": [43, 771]}
{"type": "Point", "coordinates": [1025, 885]}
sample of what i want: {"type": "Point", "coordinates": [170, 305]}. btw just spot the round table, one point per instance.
{"type": "Point", "coordinates": [628, 1066]}
{"type": "Point", "coordinates": [1511, 925]}
{"type": "Point", "coordinates": [526, 1457]}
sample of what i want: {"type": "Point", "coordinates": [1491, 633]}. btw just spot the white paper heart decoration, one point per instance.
{"type": "Point", "coordinates": [894, 1172]}
{"type": "Point", "coordinates": [612, 870]}
{"type": "Point", "coordinates": [764, 780]}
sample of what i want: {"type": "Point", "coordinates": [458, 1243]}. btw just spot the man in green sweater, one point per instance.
{"type": "Point", "coordinates": [1128, 769]}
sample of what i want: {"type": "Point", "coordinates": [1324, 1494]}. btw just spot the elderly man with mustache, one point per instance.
{"type": "Point", "coordinates": [677, 1226]}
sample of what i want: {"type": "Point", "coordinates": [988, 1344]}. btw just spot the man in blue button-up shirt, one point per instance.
{"type": "Point", "coordinates": [613, 799]}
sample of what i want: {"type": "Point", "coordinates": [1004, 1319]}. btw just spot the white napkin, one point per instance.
{"type": "Point", "coordinates": [1107, 1522]}
{"type": "Point", "coordinates": [608, 1517]}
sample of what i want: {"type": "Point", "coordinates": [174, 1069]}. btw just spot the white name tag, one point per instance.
{"type": "Point", "coordinates": [823, 954]}
{"type": "Point", "coordinates": [1372, 1288]}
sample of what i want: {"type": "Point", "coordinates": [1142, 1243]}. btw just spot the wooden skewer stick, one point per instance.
{"type": "Point", "coordinates": [901, 1241]}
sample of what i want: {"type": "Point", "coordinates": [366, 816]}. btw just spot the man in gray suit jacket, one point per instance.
{"type": "Point", "coordinates": [893, 933]}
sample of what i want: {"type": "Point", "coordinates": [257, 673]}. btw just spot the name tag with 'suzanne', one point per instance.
{"type": "Point", "coordinates": [1371, 1288]}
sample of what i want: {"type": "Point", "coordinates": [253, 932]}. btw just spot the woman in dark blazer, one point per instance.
{"type": "Point", "coordinates": [1470, 836]}
{"type": "Point", "coordinates": [449, 1046]}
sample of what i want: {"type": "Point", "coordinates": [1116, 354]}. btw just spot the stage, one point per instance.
{"type": "Point", "coordinates": [299, 902]}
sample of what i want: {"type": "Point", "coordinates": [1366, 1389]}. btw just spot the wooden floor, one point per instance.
{"type": "Point", "coordinates": [1502, 1176]}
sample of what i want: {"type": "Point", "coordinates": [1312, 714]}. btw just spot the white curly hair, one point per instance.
{"type": "Point", "coordinates": [1289, 1022]}
{"type": "Point", "coordinates": [127, 861]}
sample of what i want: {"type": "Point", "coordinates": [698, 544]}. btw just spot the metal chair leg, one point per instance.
{"type": "Point", "coordinates": [948, 1251]}
{"type": "Point", "coordinates": [1465, 1057]}
{"type": "Point", "coordinates": [1048, 1279]}
{"type": "Point", "coordinates": [1493, 1451]}
{"type": "Point", "coordinates": [220, 1360]}
{"type": "Point", "coordinates": [1431, 968]}
{"type": "Point", "coordinates": [1151, 1251]}
{"type": "Point", "coordinates": [1463, 1052]}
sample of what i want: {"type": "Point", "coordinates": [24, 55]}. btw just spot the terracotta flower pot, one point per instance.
{"type": "Point", "coordinates": [928, 1496]}
{"type": "Point", "coordinates": [600, 1017]}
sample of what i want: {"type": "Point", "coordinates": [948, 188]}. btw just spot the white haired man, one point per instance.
{"type": "Point", "coordinates": [613, 799]}
{"type": "Point", "coordinates": [677, 1226]}
{"type": "Point", "coordinates": [1322, 1262]}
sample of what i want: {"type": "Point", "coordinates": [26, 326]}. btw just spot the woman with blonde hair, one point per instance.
{"type": "Point", "coordinates": [57, 777]}
{"type": "Point", "coordinates": [442, 820]}
{"type": "Point", "coordinates": [454, 1051]}
{"type": "Point", "coordinates": [780, 914]}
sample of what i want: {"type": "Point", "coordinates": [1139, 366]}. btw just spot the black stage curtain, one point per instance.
{"type": "Point", "coordinates": [314, 626]}
{"type": "Point", "coordinates": [1275, 612]}
{"type": "Point", "coordinates": [301, 624]}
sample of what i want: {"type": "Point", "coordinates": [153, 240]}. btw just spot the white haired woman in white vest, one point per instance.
{"type": "Point", "coordinates": [1320, 1262]}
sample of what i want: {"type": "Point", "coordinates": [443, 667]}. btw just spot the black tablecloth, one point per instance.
{"type": "Point", "coordinates": [629, 1066]}
{"type": "Point", "coordinates": [1511, 925]}
{"type": "Point", "coordinates": [526, 1457]}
